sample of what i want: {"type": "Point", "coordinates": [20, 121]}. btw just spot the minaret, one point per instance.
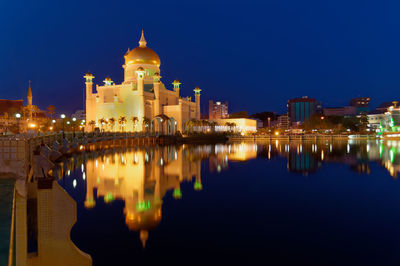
{"type": "Point", "coordinates": [176, 84]}
{"type": "Point", "coordinates": [140, 89]}
{"type": "Point", "coordinates": [156, 86]}
{"type": "Point", "coordinates": [197, 91]}
{"type": "Point", "coordinates": [30, 107]}
{"type": "Point", "coordinates": [89, 84]}
{"type": "Point", "coordinates": [89, 101]}
{"type": "Point", "coordinates": [108, 81]}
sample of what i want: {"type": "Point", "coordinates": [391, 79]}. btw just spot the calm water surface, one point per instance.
{"type": "Point", "coordinates": [275, 203]}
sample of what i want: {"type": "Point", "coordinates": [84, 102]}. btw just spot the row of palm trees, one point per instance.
{"type": "Point", "coordinates": [122, 121]}
{"type": "Point", "coordinates": [205, 125]}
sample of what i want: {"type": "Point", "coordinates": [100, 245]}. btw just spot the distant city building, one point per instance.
{"type": "Point", "coordinates": [283, 121]}
{"type": "Point", "coordinates": [375, 120]}
{"type": "Point", "coordinates": [235, 124]}
{"type": "Point", "coordinates": [383, 107]}
{"type": "Point", "coordinates": [361, 104]}
{"type": "Point", "coordinates": [301, 109]}
{"type": "Point", "coordinates": [11, 107]}
{"type": "Point", "coordinates": [14, 114]}
{"type": "Point", "coordinates": [260, 124]}
{"type": "Point", "coordinates": [79, 115]}
{"type": "Point", "coordinates": [340, 111]}
{"type": "Point", "coordinates": [217, 110]}
{"type": "Point", "coordinates": [388, 121]}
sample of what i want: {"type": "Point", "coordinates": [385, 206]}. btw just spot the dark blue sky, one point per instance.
{"type": "Point", "coordinates": [255, 54]}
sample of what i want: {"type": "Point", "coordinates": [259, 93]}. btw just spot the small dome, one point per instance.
{"type": "Point", "coordinates": [157, 74]}
{"type": "Point", "coordinates": [140, 69]}
{"type": "Point", "coordinates": [142, 55]}
{"type": "Point", "coordinates": [108, 79]}
{"type": "Point", "coordinates": [176, 82]}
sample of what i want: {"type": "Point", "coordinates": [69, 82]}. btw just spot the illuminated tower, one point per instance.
{"type": "Point", "coordinates": [29, 97]}
{"type": "Point", "coordinates": [89, 101]}
{"type": "Point", "coordinates": [108, 81]}
{"type": "Point", "coordinates": [156, 85]}
{"type": "Point", "coordinates": [176, 84]}
{"type": "Point", "coordinates": [140, 88]}
{"type": "Point", "coordinates": [197, 91]}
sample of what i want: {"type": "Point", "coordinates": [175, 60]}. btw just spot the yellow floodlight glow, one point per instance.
{"type": "Point", "coordinates": [32, 125]}
{"type": "Point", "coordinates": [276, 133]}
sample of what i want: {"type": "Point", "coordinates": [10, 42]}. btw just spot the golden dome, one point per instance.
{"type": "Point", "coordinates": [142, 55]}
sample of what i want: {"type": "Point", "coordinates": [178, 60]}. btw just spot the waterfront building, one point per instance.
{"type": "Point", "coordinates": [242, 125]}
{"type": "Point", "coordinates": [375, 120]}
{"type": "Point", "coordinates": [383, 107]}
{"type": "Point", "coordinates": [283, 121]}
{"type": "Point", "coordinates": [217, 110]}
{"type": "Point", "coordinates": [388, 121]}
{"type": "Point", "coordinates": [361, 104]}
{"type": "Point", "coordinates": [301, 109]}
{"type": "Point", "coordinates": [141, 102]}
{"type": "Point", "coordinates": [13, 114]}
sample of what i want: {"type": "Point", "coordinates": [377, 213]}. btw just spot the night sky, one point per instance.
{"type": "Point", "coordinates": [256, 55]}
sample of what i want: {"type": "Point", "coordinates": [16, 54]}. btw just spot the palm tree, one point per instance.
{"type": "Point", "coordinates": [112, 122]}
{"type": "Point", "coordinates": [122, 122]}
{"type": "Point", "coordinates": [92, 123]}
{"type": "Point", "coordinates": [190, 124]}
{"type": "Point", "coordinates": [135, 120]}
{"type": "Point", "coordinates": [212, 125]}
{"type": "Point", "coordinates": [230, 126]}
{"type": "Point", "coordinates": [102, 122]}
{"type": "Point", "coordinates": [146, 123]}
{"type": "Point", "coordinates": [204, 124]}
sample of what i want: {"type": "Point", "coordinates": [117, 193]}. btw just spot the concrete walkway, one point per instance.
{"type": "Point", "coordinates": [6, 199]}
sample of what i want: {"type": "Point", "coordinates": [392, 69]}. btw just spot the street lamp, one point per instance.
{"type": "Point", "coordinates": [18, 116]}
{"type": "Point", "coordinates": [63, 125]}
{"type": "Point", "coordinates": [73, 125]}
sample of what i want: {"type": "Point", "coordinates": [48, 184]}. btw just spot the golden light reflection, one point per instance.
{"type": "Point", "coordinates": [143, 177]}
{"type": "Point", "coordinates": [140, 183]}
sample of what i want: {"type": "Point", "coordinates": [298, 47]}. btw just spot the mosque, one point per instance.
{"type": "Point", "coordinates": [141, 102]}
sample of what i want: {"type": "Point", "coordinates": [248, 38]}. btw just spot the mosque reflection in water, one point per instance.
{"type": "Point", "coordinates": [142, 177]}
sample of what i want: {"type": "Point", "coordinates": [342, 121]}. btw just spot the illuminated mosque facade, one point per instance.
{"type": "Point", "coordinates": [141, 102]}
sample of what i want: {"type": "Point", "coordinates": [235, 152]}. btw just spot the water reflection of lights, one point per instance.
{"type": "Point", "coordinates": [145, 176]}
